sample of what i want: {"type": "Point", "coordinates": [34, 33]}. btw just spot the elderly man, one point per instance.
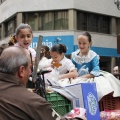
{"type": "Point", "coordinates": [16, 102]}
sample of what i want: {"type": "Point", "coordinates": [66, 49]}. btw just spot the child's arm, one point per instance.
{"type": "Point", "coordinates": [72, 70]}
{"type": "Point", "coordinates": [87, 76]}
{"type": "Point", "coordinates": [71, 74]}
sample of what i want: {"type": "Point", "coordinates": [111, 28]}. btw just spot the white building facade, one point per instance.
{"type": "Point", "coordinates": [62, 21]}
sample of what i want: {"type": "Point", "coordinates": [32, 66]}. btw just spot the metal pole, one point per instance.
{"type": "Point", "coordinates": [34, 75]}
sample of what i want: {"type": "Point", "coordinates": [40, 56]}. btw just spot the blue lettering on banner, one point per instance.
{"type": "Point", "coordinates": [92, 103]}
{"type": "Point", "coordinates": [68, 41]}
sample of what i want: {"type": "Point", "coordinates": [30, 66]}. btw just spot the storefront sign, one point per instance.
{"type": "Point", "coordinates": [68, 41]}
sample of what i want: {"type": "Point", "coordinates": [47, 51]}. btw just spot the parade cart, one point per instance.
{"type": "Point", "coordinates": [63, 105]}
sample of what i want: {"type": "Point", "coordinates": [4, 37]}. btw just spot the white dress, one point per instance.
{"type": "Point", "coordinates": [66, 66]}
{"type": "Point", "coordinates": [43, 62]}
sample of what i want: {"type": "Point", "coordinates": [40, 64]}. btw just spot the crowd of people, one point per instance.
{"type": "Point", "coordinates": [16, 65]}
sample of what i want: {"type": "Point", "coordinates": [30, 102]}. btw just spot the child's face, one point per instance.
{"type": "Point", "coordinates": [83, 44]}
{"type": "Point", "coordinates": [24, 37]}
{"type": "Point", "coordinates": [56, 56]}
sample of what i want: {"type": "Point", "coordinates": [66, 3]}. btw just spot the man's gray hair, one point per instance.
{"type": "Point", "coordinates": [12, 58]}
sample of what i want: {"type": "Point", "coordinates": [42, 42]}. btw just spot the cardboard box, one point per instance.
{"type": "Point", "coordinates": [83, 95]}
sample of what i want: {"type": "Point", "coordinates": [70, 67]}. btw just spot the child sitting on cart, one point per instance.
{"type": "Point", "coordinates": [87, 63]}
{"type": "Point", "coordinates": [61, 66]}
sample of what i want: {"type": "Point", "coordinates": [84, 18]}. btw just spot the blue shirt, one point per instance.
{"type": "Point", "coordinates": [88, 64]}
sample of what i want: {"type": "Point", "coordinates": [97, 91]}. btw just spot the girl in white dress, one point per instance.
{"type": "Point", "coordinates": [24, 36]}
{"type": "Point", "coordinates": [67, 68]}
{"type": "Point", "coordinates": [61, 66]}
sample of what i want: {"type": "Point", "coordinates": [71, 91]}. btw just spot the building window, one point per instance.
{"type": "Point", "coordinates": [32, 20]}
{"type": "Point", "coordinates": [118, 25]}
{"type": "Point", "coordinates": [46, 21]}
{"type": "Point", "coordinates": [54, 20]}
{"type": "Point", "coordinates": [60, 20]}
{"type": "Point", "coordinates": [82, 21]}
{"type": "Point", "coordinates": [10, 27]}
{"type": "Point", "coordinates": [93, 22]}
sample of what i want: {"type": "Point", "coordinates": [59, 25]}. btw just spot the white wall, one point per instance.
{"type": "Point", "coordinates": [106, 7]}
{"type": "Point", "coordinates": [10, 7]}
